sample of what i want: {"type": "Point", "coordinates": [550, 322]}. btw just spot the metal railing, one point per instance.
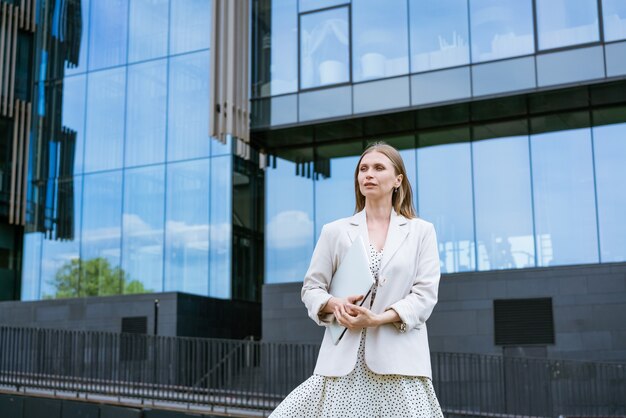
{"type": "Point", "coordinates": [258, 375]}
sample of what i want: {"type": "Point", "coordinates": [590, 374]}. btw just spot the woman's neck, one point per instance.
{"type": "Point", "coordinates": [378, 211]}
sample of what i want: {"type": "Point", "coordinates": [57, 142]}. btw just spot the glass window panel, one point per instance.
{"type": "Point", "coordinates": [325, 103]}
{"type": "Point", "coordinates": [84, 41]}
{"type": "Point", "coordinates": [570, 66]}
{"type": "Point", "coordinates": [284, 48]}
{"type": "Point", "coordinates": [565, 214]}
{"type": "Point", "coordinates": [147, 30]}
{"type": "Point", "coordinates": [614, 18]}
{"type": "Point", "coordinates": [221, 148]}
{"type": "Point", "coordinates": [445, 199]}
{"type": "Point", "coordinates": [501, 76]}
{"type": "Point", "coordinates": [380, 36]}
{"type": "Point", "coordinates": [31, 266]}
{"type": "Point", "coordinates": [188, 123]}
{"type": "Point", "coordinates": [284, 110]}
{"type": "Point", "coordinates": [142, 229]}
{"type": "Point", "coordinates": [60, 263]}
{"type": "Point", "coordinates": [503, 205]}
{"type": "Point", "coordinates": [190, 28]}
{"type": "Point", "coordinates": [187, 227]}
{"type": "Point", "coordinates": [615, 59]}
{"type": "Point", "coordinates": [104, 138]}
{"type": "Point", "coordinates": [220, 230]}
{"type": "Point", "coordinates": [610, 163]}
{"type": "Point", "coordinates": [101, 273]}
{"type": "Point", "coordinates": [74, 114]}
{"type": "Point", "coordinates": [501, 29]}
{"type": "Point", "coordinates": [566, 22]}
{"type": "Point", "coordinates": [146, 113]}
{"type": "Point", "coordinates": [307, 5]}
{"type": "Point", "coordinates": [439, 34]}
{"type": "Point", "coordinates": [439, 86]}
{"type": "Point", "coordinates": [289, 229]}
{"type": "Point", "coordinates": [324, 48]}
{"type": "Point", "coordinates": [381, 94]}
{"type": "Point", "coordinates": [109, 28]}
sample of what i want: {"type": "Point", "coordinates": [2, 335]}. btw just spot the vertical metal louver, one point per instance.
{"type": "Point", "coordinates": [523, 321]}
{"type": "Point", "coordinates": [229, 104]}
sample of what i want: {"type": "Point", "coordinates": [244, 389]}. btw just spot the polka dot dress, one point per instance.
{"type": "Point", "coordinates": [362, 393]}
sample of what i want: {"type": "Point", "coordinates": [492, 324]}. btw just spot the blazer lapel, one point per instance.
{"type": "Point", "coordinates": [358, 226]}
{"type": "Point", "coordinates": [396, 234]}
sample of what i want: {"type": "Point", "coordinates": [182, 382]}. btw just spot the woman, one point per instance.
{"type": "Point", "coordinates": [381, 366]}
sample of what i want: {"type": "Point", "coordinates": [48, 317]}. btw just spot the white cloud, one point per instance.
{"type": "Point", "coordinates": [290, 228]}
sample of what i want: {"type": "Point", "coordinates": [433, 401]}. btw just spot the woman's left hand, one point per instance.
{"type": "Point", "coordinates": [356, 317]}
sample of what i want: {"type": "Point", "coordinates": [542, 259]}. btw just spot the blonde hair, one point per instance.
{"type": "Point", "coordinates": [402, 199]}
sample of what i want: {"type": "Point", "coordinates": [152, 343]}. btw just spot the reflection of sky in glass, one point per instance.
{"type": "Point", "coordinates": [324, 48]}
{"type": "Point", "coordinates": [84, 40]}
{"type": "Point", "coordinates": [190, 25]}
{"type": "Point", "coordinates": [289, 223]}
{"type": "Point", "coordinates": [334, 196]}
{"type": "Point", "coordinates": [104, 137]}
{"type": "Point", "coordinates": [610, 155]}
{"type": "Point", "coordinates": [566, 22]}
{"type": "Point", "coordinates": [74, 114]}
{"type": "Point", "coordinates": [445, 198]}
{"type": "Point", "coordinates": [57, 253]}
{"type": "Point", "coordinates": [306, 5]}
{"type": "Point", "coordinates": [107, 38]}
{"type": "Point", "coordinates": [502, 199]}
{"type": "Point", "coordinates": [142, 226]}
{"type": "Point", "coordinates": [284, 49]}
{"type": "Point", "coordinates": [220, 230]}
{"type": "Point", "coordinates": [187, 227]}
{"type": "Point", "coordinates": [501, 28]}
{"type": "Point", "coordinates": [439, 34]}
{"type": "Point", "coordinates": [146, 113]}
{"type": "Point", "coordinates": [147, 34]}
{"type": "Point", "coordinates": [614, 18]}
{"type": "Point", "coordinates": [565, 215]}
{"type": "Point", "coordinates": [102, 217]}
{"type": "Point", "coordinates": [31, 266]}
{"type": "Point", "coordinates": [188, 124]}
{"type": "Point", "coordinates": [380, 39]}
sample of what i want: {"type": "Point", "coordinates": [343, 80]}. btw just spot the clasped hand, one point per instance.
{"type": "Point", "coordinates": [353, 316]}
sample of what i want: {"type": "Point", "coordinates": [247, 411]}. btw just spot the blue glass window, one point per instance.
{"type": "Point", "coordinates": [502, 199]}
{"type": "Point", "coordinates": [610, 155]}
{"type": "Point", "coordinates": [220, 230]}
{"type": "Point", "coordinates": [146, 113]}
{"type": "Point", "coordinates": [444, 178]}
{"type": "Point", "coordinates": [74, 114]}
{"type": "Point", "coordinates": [142, 229]}
{"type": "Point", "coordinates": [101, 234]}
{"type": "Point", "coordinates": [614, 18]}
{"type": "Point", "coordinates": [563, 191]}
{"type": "Point", "coordinates": [108, 33]}
{"type": "Point", "coordinates": [187, 227]}
{"type": "Point", "coordinates": [380, 39]}
{"type": "Point", "coordinates": [60, 259]}
{"type": "Point", "coordinates": [190, 25]}
{"type": "Point", "coordinates": [439, 34]}
{"type": "Point", "coordinates": [324, 48]}
{"type": "Point", "coordinates": [147, 30]}
{"type": "Point", "coordinates": [289, 227]}
{"type": "Point", "coordinates": [307, 5]}
{"type": "Point", "coordinates": [31, 266]}
{"type": "Point", "coordinates": [284, 48]}
{"type": "Point", "coordinates": [567, 22]}
{"type": "Point", "coordinates": [104, 139]}
{"type": "Point", "coordinates": [501, 29]}
{"type": "Point", "coordinates": [84, 40]}
{"type": "Point", "coordinates": [188, 124]}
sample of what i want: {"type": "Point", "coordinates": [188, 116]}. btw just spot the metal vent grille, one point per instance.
{"type": "Point", "coordinates": [135, 325]}
{"type": "Point", "coordinates": [523, 321]}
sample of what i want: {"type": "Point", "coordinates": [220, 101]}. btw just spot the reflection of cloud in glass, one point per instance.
{"type": "Point", "coordinates": [288, 229]}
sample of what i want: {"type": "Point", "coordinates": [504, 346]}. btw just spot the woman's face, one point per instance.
{"type": "Point", "coordinates": [377, 177]}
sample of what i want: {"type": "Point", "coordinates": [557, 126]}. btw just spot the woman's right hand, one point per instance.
{"type": "Point", "coordinates": [341, 303]}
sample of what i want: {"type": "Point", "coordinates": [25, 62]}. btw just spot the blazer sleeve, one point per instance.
{"type": "Point", "coordinates": [317, 280]}
{"type": "Point", "coordinates": [415, 308]}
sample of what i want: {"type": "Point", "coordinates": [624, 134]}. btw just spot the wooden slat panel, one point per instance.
{"type": "Point", "coordinates": [3, 43]}
{"type": "Point", "coordinates": [8, 54]}
{"type": "Point", "coordinates": [13, 63]}
{"type": "Point", "coordinates": [26, 138]}
{"type": "Point", "coordinates": [14, 170]}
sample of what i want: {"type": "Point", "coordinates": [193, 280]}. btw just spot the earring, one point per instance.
{"type": "Point", "coordinates": [396, 190]}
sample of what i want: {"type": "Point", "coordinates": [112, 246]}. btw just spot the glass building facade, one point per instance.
{"type": "Point", "coordinates": [146, 192]}
{"type": "Point", "coordinates": [515, 166]}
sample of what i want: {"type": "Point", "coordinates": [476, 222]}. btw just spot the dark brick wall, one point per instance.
{"type": "Point", "coordinates": [589, 303]}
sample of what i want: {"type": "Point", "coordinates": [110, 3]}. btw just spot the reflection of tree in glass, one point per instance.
{"type": "Point", "coordinates": [99, 278]}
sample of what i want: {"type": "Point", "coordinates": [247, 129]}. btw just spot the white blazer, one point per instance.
{"type": "Point", "coordinates": [408, 282]}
